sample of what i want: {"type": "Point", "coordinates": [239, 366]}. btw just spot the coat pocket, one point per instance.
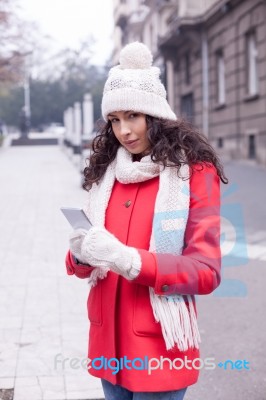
{"type": "Point", "coordinates": [144, 323]}
{"type": "Point", "coordinates": [95, 304]}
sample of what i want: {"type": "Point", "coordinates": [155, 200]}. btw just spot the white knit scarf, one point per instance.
{"type": "Point", "coordinates": [178, 322]}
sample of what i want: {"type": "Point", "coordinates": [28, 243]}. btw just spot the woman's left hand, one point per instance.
{"type": "Point", "coordinates": [99, 248]}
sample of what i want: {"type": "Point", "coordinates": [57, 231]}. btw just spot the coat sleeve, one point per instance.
{"type": "Point", "coordinates": [197, 270]}
{"type": "Point", "coordinates": [80, 270]}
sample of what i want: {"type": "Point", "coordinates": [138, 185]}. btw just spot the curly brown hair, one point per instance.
{"type": "Point", "coordinates": [177, 142]}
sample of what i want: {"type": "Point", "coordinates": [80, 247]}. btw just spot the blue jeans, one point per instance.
{"type": "Point", "coordinates": [116, 392]}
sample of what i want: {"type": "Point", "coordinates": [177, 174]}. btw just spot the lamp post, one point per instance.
{"type": "Point", "coordinates": [25, 116]}
{"type": "Point", "coordinates": [27, 95]}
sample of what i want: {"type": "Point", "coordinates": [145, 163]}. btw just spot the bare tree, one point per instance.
{"type": "Point", "coordinates": [14, 43]}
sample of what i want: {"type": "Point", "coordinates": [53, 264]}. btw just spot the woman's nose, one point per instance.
{"type": "Point", "coordinates": [124, 128]}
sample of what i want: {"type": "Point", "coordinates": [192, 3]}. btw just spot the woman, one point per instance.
{"type": "Point", "coordinates": [153, 198]}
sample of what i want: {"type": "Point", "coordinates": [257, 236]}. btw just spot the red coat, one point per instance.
{"type": "Point", "coordinates": [121, 318]}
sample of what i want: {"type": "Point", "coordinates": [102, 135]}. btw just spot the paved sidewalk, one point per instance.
{"type": "Point", "coordinates": [42, 310]}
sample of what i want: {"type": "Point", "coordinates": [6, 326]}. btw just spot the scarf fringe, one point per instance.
{"type": "Point", "coordinates": [178, 322]}
{"type": "Point", "coordinates": [97, 273]}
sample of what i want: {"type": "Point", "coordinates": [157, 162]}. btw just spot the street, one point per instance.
{"type": "Point", "coordinates": [232, 321]}
{"type": "Point", "coordinates": [43, 316]}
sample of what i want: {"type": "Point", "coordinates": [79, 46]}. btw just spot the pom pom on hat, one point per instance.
{"type": "Point", "coordinates": [135, 85]}
{"type": "Point", "coordinates": [135, 56]}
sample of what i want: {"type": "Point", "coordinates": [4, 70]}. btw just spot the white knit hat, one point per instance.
{"type": "Point", "coordinates": [134, 85]}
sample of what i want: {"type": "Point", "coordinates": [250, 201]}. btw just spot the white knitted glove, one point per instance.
{"type": "Point", "coordinates": [75, 241]}
{"type": "Point", "coordinates": [100, 248]}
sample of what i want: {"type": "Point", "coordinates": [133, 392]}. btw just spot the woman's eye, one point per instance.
{"type": "Point", "coordinates": [133, 115]}
{"type": "Point", "coordinates": [113, 120]}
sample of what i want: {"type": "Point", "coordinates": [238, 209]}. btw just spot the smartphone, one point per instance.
{"type": "Point", "coordinates": [76, 217]}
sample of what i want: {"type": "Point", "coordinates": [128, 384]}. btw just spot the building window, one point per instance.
{"type": "Point", "coordinates": [251, 147]}
{"type": "Point", "coordinates": [187, 68]}
{"type": "Point", "coordinates": [220, 142]}
{"type": "Point", "coordinates": [251, 64]}
{"type": "Point", "coordinates": [220, 77]}
{"type": "Point", "coordinates": [187, 107]}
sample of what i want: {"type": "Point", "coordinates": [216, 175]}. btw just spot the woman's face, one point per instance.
{"type": "Point", "coordinates": [130, 129]}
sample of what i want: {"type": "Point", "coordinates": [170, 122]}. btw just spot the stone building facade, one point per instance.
{"type": "Point", "coordinates": [212, 54]}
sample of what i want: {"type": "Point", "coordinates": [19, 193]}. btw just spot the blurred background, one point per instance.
{"type": "Point", "coordinates": [54, 60]}
{"type": "Point", "coordinates": [51, 54]}
{"type": "Point", "coordinates": [211, 54]}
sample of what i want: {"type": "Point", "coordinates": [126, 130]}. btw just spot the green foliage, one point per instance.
{"type": "Point", "coordinates": [11, 102]}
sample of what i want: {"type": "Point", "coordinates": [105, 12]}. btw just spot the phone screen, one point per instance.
{"type": "Point", "coordinates": [76, 217]}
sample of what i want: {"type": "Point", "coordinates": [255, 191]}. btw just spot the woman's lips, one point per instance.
{"type": "Point", "coordinates": [131, 143]}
